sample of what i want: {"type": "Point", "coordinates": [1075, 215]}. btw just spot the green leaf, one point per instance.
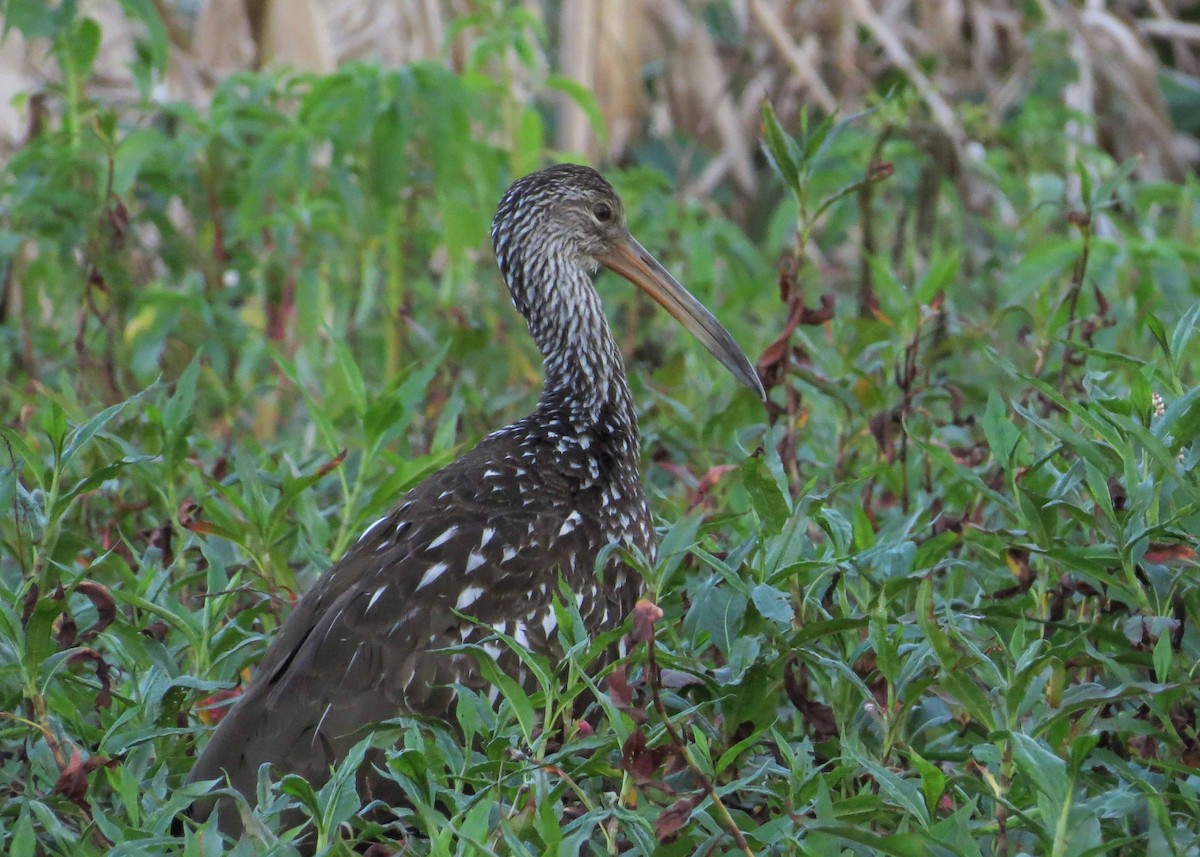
{"type": "Point", "coordinates": [298, 787]}
{"type": "Point", "coordinates": [894, 789]}
{"type": "Point", "coordinates": [781, 149]}
{"type": "Point", "coordinates": [893, 845]}
{"type": "Point", "coordinates": [1045, 771]}
{"type": "Point", "coordinates": [512, 692]}
{"type": "Point", "coordinates": [773, 604]}
{"type": "Point", "coordinates": [35, 18]}
{"type": "Point", "coordinates": [957, 678]}
{"type": "Point", "coordinates": [887, 657]}
{"type": "Point", "coordinates": [1160, 335]}
{"type": "Point", "coordinates": [1107, 188]}
{"type": "Point", "coordinates": [933, 781]}
{"type": "Point", "coordinates": [818, 140]}
{"type": "Point", "coordinates": [1182, 421]}
{"type": "Point", "coordinates": [1039, 265]}
{"type": "Point", "coordinates": [1085, 181]}
{"type": "Point", "coordinates": [1162, 657]}
{"type": "Point", "coordinates": [39, 640]}
{"type": "Point", "coordinates": [716, 611]}
{"type": "Point", "coordinates": [21, 456]}
{"type": "Point", "coordinates": [94, 480]}
{"type": "Point", "coordinates": [673, 548]}
{"type": "Point", "coordinates": [84, 433]}
{"type": "Point", "coordinates": [938, 277]}
{"type": "Point", "coordinates": [768, 499]}
{"type": "Point", "coordinates": [338, 799]}
{"type": "Point", "coordinates": [839, 530]}
{"type": "Point", "coordinates": [1184, 330]}
{"type": "Point", "coordinates": [813, 631]}
{"type": "Point", "coordinates": [132, 152]}
{"type": "Point", "coordinates": [151, 18]}
{"type": "Point", "coordinates": [81, 46]}
{"type": "Point", "coordinates": [177, 412]}
{"type": "Point", "coordinates": [352, 378]}
{"type": "Point", "coordinates": [23, 843]}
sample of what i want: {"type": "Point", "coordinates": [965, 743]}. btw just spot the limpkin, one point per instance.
{"type": "Point", "coordinates": [489, 535]}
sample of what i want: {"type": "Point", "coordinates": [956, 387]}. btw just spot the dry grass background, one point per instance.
{"type": "Point", "coordinates": [697, 67]}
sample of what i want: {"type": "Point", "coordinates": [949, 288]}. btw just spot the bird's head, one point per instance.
{"type": "Point", "coordinates": [559, 221]}
{"type": "Point", "coordinates": [563, 214]}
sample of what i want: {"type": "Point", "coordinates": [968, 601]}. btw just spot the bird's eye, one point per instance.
{"type": "Point", "coordinates": [603, 212]}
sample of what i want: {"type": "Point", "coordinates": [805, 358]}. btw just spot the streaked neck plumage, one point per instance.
{"type": "Point", "coordinates": [585, 380]}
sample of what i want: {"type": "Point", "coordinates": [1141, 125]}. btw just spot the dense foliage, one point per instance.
{"type": "Point", "coordinates": [941, 598]}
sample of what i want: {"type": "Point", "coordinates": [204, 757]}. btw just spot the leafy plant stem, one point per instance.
{"type": "Point", "coordinates": [1078, 273]}
{"type": "Point", "coordinates": [1062, 828]}
{"type": "Point", "coordinates": [722, 811]}
{"type": "Point", "coordinates": [349, 510]}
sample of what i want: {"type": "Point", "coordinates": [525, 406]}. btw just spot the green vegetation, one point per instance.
{"type": "Point", "coordinates": [941, 599]}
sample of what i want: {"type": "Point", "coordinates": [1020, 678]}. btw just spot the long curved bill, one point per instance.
{"type": "Point", "coordinates": [633, 262]}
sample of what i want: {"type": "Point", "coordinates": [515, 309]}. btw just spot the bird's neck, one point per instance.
{"type": "Point", "coordinates": [585, 374]}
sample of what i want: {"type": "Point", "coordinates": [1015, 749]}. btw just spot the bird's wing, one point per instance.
{"type": "Point", "coordinates": [359, 648]}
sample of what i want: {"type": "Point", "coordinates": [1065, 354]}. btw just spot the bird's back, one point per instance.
{"type": "Point", "coordinates": [487, 537]}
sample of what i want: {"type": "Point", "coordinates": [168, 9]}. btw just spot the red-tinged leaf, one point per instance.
{"type": "Point", "coordinates": [65, 630]}
{"type": "Point", "coordinates": [880, 170]}
{"type": "Point", "coordinates": [104, 695]}
{"type": "Point", "coordinates": [773, 363]}
{"type": "Point", "coordinates": [618, 687]}
{"type": "Point", "coordinates": [675, 817]}
{"type": "Point", "coordinates": [715, 475]}
{"type": "Point", "coordinates": [677, 470]}
{"type": "Point", "coordinates": [156, 630]}
{"type": "Point", "coordinates": [709, 481]}
{"type": "Point", "coordinates": [207, 528]}
{"type": "Point", "coordinates": [1102, 305]}
{"type": "Point", "coordinates": [638, 759]}
{"type": "Point", "coordinates": [1159, 552]}
{"type": "Point", "coordinates": [675, 679]}
{"type": "Point", "coordinates": [160, 537]}
{"type": "Point", "coordinates": [91, 763]}
{"type": "Point", "coordinates": [189, 512]}
{"type": "Point", "coordinates": [820, 717]}
{"type": "Point", "coordinates": [331, 465]}
{"type": "Point", "coordinates": [28, 603]}
{"type": "Point", "coordinates": [645, 614]}
{"type": "Point", "coordinates": [1018, 564]}
{"type": "Point", "coordinates": [212, 711]}
{"type": "Point", "coordinates": [622, 694]}
{"type": "Point", "coordinates": [72, 781]}
{"type": "Point", "coordinates": [102, 600]}
{"type": "Point", "coordinates": [819, 316]}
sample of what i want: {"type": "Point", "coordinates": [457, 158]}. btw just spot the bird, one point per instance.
{"type": "Point", "coordinates": [482, 543]}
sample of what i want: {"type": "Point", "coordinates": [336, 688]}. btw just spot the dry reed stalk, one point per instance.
{"type": "Point", "coordinates": [601, 47]}
{"type": "Point", "coordinates": [800, 59]}
{"type": "Point", "coordinates": [295, 34]}
{"type": "Point", "coordinates": [705, 83]}
{"type": "Point", "coordinates": [699, 101]}
{"type": "Point", "coordinates": [1180, 33]}
{"type": "Point", "coordinates": [222, 41]}
{"type": "Point", "coordinates": [886, 38]}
